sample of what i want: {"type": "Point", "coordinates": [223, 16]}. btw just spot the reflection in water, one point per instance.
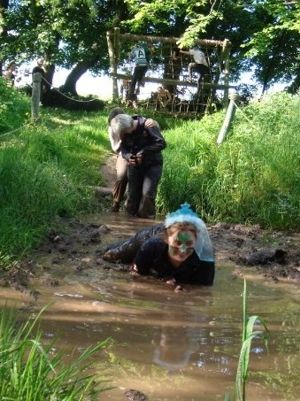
{"type": "Point", "coordinates": [170, 346]}
{"type": "Point", "coordinates": [173, 350]}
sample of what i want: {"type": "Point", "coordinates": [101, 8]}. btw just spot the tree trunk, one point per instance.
{"type": "Point", "coordinates": [295, 85]}
{"type": "Point", "coordinates": [50, 70]}
{"type": "Point", "coordinates": [3, 27]}
{"type": "Point", "coordinates": [70, 84]}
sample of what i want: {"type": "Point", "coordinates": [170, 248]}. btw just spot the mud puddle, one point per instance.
{"type": "Point", "coordinates": [170, 346]}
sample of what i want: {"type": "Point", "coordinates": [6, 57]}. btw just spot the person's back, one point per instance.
{"type": "Point", "coordinates": [199, 56]}
{"type": "Point", "coordinates": [140, 55]}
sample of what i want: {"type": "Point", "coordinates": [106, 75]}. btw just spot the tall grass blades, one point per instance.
{"type": "Point", "coordinates": [30, 372]}
{"type": "Point", "coordinates": [253, 177]}
{"type": "Point", "coordinates": [248, 335]}
{"type": "Point", "coordinates": [47, 171]}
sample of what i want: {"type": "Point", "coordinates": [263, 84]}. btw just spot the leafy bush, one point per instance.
{"type": "Point", "coordinates": [14, 108]}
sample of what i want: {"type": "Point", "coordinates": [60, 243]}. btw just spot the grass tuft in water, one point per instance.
{"type": "Point", "coordinates": [30, 371]}
{"type": "Point", "coordinates": [249, 333]}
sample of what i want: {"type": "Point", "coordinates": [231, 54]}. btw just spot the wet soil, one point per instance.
{"type": "Point", "coordinates": [81, 242]}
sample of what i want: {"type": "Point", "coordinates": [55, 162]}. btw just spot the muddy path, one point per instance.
{"type": "Point", "coordinates": [167, 345]}
{"type": "Point", "coordinates": [80, 243]}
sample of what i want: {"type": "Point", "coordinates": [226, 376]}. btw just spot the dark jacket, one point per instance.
{"type": "Point", "coordinates": [147, 142]}
{"type": "Point", "coordinates": [152, 259]}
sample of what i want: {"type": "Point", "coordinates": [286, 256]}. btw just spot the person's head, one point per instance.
{"type": "Point", "coordinates": [183, 229]}
{"type": "Point", "coordinates": [12, 66]}
{"type": "Point", "coordinates": [181, 239]}
{"type": "Point", "coordinates": [199, 49]}
{"type": "Point", "coordinates": [40, 61]}
{"type": "Point", "coordinates": [121, 125]}
{"type": "Point", "coordinates": [113, 113]}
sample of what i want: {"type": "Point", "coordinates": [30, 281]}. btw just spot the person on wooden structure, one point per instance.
{"type": "Point", "coordinates": [200, 64]}
{"type": "Point", "coordinates": [163, 97]}
{"type": "Point", "coordinates": [141, 147]}
{"type": "Point", "coordinates": [140, 55]}
{"type": "Point", "coordinates": [120, 184]}
{"type": "Point", "coordinates": [124, 89]}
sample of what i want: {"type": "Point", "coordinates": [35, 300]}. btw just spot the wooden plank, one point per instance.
{"type": "Point", "coordinates": [174, 82]}
{"type": "Point", "coordinates": [173, 40]}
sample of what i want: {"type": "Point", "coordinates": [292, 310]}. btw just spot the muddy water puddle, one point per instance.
{"type": "Point", "coordinates": [170, 346]}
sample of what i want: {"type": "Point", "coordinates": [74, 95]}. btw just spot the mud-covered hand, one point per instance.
{"type": "Point", "coordinates": [139, 158]}
{"type": "Point", "coordinates": [132, 161]}
{"type": "Point", "coordinates": [150, 123]}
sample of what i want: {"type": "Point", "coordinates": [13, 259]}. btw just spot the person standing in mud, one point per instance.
{"type": "Point", "coordinates": [141, 147]}
{"type": "Point", "coordinates": [120, 184]}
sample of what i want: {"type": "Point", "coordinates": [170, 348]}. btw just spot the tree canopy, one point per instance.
{"type": "Point", "coordinates": [265, 34]}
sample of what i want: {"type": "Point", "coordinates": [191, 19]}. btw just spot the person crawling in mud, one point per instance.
{"type": "Point", "coordinates": [183, 256]}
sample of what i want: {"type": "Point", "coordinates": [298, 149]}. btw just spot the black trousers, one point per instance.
{"type": "Point", "coordinates": [201, 69]}
{"type": "Point", "coordinates": [137, 77]}
{"type": "Point", "coordinates": [142, 188]}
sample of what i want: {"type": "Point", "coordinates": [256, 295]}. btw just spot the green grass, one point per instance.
{"type": "Point", "coordinates": [253, 177]}
{"type": "Point", "coordinates": [30, 371]}
{"type": "Point", "coordinates": [48, 170]}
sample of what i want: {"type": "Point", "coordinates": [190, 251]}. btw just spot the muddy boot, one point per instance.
{"type": "Point", "coordinates": [147, 208]}
{"type": "Point", "coordinates": [115, 207]}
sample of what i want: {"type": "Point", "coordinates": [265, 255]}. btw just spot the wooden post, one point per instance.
{"type": "Point", "coordinates": [228, 119]}
{"type": "Point", "coordinates": [110, 37]}
{"type": "Point", "coordinates": [226, 54]}
{"type": "Point", "coordinates": [36, 95]}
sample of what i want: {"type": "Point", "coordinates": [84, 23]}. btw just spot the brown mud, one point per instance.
{"type": "Point", "coordinates": [80, 243]}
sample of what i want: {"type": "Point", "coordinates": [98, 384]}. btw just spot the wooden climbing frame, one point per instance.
{"type": "Point", "coordinates": [114, 39]}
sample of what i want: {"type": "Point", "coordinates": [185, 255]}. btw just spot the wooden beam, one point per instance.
{"type": "Point", "coordinates": [173, 40]}
{"type": "Point", "coordinates": [174, 82]}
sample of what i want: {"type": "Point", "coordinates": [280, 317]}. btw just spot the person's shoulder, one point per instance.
{"type": "Point", "coordinates": [155, 243]}
{"type": "Point", "coordinates": [37, 69]}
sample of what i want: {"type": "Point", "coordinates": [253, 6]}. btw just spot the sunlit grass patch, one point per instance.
{"type": "Point", "coordinates": [30, 371]}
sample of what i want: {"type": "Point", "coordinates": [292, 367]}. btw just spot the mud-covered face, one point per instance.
{"type": "Point", "coordinates": [181, 244]}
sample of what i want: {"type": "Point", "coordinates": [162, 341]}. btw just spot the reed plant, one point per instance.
{"type": "Point", "coordinates": [30, 371]}
{"type": "Point", "coordinates": [249, 333]}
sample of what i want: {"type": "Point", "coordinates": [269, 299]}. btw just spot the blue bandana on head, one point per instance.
{"type": "Point", "coordinates": [185, 214]}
